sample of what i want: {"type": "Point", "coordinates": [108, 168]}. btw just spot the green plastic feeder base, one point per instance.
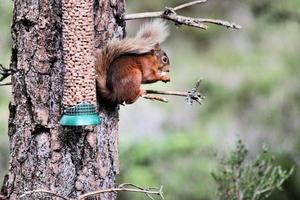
{"type": "Point", "coordinates": [80, 120]}
{"type": "Point", "coordinates": [81, 115]}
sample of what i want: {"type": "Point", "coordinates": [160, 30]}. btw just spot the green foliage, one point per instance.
{"type": "Point", "coordinates": [238, 179]}
{"type": "Point", "coordinates": [179, 160]}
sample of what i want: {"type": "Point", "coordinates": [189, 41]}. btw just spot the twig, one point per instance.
{"type": "Point", "coordinates": [174, 93]}
{"type": "Point", "coordinates": [126, 187]}
{"type": "Point", "coordinates": [129, 187]}
{"type": "Point", "coordinates": [170, 14]}
{"type": "Point", "coordinates": [3, 84]}
{"type": "Point", "coordinates": [189, 4]}
{"type": "Point", "coordinates": [4, 73]}
{"type": "Point", "coordinates": [191, 95]}
{"type": "Point", "coordinates": [3, 191]}
{"type": "Point", "coordinates": [157, 98]}
{"type": "Point", "coordinates": [43, 191]}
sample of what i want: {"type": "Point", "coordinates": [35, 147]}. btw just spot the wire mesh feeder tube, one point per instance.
{"type": "Point", "coordinates": [79, 95]}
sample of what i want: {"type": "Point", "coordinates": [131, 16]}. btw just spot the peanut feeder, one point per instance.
{"type": "Point", "coordinates": [79, 95]}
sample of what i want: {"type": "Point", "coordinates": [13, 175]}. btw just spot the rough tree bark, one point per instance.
{"type": "Point", "coordinates": [44, 155]}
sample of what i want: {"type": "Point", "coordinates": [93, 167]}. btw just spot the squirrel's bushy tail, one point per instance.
{"type": "Point", "coordinates": [150, 34]}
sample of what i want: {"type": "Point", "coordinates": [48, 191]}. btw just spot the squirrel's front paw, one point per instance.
{"type": "Point", "coordinates": [165, 79]}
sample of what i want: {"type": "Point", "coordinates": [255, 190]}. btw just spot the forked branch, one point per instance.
{"type": "Point", "coordinates": [190, 96]}
{"type": "Point", "coordinates": [4, 73]}
{"type": "Point", "coordinates": [129, 187]}
{"type": "Point", "coordinates": [170, 14]}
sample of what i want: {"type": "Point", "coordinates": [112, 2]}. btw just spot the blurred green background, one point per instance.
{"type": "Point", "coordinates": [251, 79]}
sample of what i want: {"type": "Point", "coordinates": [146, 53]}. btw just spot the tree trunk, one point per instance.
{"type": "Point", "coordinates": [44, 155]}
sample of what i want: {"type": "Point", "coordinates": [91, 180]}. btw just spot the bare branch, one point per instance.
{"type": "Point", "coordinates": [129, 188]}
{"type": "Point", "coordinates": [189, 21]}
{"type": "Point", "coordinates": [4, 73]}
{"type": "Point", "coordinates": [43, 191]}
{"type": "Point", "coordinates": [188, 4]}
{"type": "Point", "coordinates": [191, 95]}
{"type": "Point", "coordinates": [143, 15]}
{"type": "Point", "coordinates": [157, 98]}
{"type": "Point", "coordinates": [3, 84]}
{"type": "Point", "coordinates": [170, 14]}
{"type": "Point", "coordinates": [174, 93]}
{"type": "Point", "coordinates": [220, 22]}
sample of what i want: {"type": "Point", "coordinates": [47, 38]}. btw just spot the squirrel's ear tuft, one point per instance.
{"type": "Point", "coordinates": [157, 46]}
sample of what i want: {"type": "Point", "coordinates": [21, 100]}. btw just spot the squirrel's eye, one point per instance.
{"type": "Point", "coordinates": [164, 59]}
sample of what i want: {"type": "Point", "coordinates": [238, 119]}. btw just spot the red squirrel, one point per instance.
{"type": "Point", "coordinates": [123, 65]}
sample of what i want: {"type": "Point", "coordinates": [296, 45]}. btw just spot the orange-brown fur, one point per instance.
{"type": "Point", "coordinates": [123, 65]}
{"type": "Point", "coordinates": [127, 73]}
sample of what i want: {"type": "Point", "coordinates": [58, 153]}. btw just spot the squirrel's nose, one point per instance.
{"type": "Point", "coordinates": [165, 68]}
